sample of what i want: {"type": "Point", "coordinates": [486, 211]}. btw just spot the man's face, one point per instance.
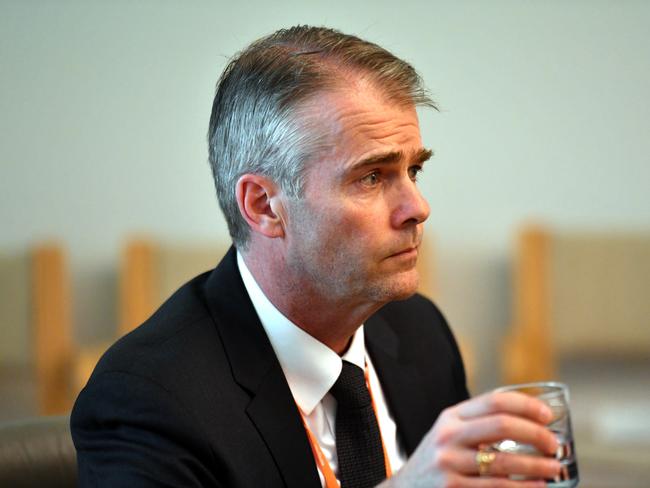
{"type": "Point", "coordinates": [355, 234]}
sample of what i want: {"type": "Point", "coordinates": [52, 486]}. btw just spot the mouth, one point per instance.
{"type": "Point", "coordinates": [409, 252]}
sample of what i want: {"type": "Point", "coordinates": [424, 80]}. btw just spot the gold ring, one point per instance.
{"type": "Point", "coordinates": [483, 460]}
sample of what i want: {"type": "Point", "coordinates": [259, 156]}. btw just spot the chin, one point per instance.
{"type": "Point", "coordinates": [404, 293]}
{"type": "Point", "coordinates": [401, 287]}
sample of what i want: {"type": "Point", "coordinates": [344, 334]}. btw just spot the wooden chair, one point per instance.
{"type": "Point", "coordinates": [581, 314]}
{"type": "Point", "coordinates": [429, 288]}
{"type": "Point", "coordinates": [577, 295]}
{"type": "Point", "coordinates": [36, 350]}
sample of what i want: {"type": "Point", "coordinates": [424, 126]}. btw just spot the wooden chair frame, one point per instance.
{"type": "Point", "coordinates": [52, 329]}
{"type": "Point", "coordinates": [528, 353]}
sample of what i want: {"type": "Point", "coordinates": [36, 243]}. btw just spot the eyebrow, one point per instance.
{"type": "Point", "coordinates": [418, 157]}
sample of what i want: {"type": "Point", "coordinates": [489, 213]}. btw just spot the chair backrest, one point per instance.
{"type": "Point", "coordinates": [577, 294]}
{"type": "Point", "coordinates": [151, 271]}
{"type": "Point", "coordinates": [37, 452]}
{"type": "Point", "coordinates": [600, 290]}
{"type": "Point", "coordinates": [15, 302]}
{"type": "Point", "coordinates": [37, 345]}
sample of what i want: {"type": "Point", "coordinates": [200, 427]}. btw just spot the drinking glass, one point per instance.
{"type": "Point", "coordinates": [556, 396]}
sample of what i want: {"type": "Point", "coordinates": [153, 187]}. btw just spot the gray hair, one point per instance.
{"type": "Point", "coordinates": [255, 125]}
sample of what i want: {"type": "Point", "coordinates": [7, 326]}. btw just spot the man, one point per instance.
{"type": "Point", "coordinates": [242, 378]}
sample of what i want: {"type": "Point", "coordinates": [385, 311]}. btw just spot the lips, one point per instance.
{"type": "Point", "coordinates": [408, 252]}
{"type": "Point", "coordinates": [409, 248]}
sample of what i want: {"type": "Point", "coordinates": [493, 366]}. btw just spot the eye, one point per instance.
{"type": "Point", "coordinates": [414, 171]}
{"type": "Point", "coordinates": [371, 179]}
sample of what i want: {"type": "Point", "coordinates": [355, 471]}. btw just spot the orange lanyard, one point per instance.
{"type": "Point", "coordinates": [319, 456]}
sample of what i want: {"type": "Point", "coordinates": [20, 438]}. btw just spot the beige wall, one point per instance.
{"type": "Point", "coordinates": [104, 106]}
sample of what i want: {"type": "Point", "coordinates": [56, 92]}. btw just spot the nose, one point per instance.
{"type": "Point", "coordinates": [411, 207]}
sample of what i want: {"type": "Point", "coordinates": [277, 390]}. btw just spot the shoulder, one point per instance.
{"type": "Point", "coordinates": [177, 356]}
{"type": "Point", "coordinates": [166, 340]}
{"type": "Point", "coordinates": [153, 395]}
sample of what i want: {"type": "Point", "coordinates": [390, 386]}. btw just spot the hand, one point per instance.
{"type": "Point", "coordinates": [446, 457]}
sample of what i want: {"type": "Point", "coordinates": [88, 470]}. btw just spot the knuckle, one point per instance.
{"type": "Point", "coordinates": [495, 402]}
{"type": "Point", "coordinates": [533, 406]}
{"type": "Point", "coordinates": [543, 436]}
{"type": "Point", "coordinates": [502, 423]}
{"type": "Point", "coordinates": [448, 414]}
{"type": "Point", "coordinates": [551, 441]}
{"type": "Point", "coordinates": [445, 434]}
{"type": "Point", "coordinates": [442, 460]}
{"type": "Point", "coordinates": [443, 417]}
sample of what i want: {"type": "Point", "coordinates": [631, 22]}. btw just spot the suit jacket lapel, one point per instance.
{"type": "Point", "coordinates": [256, 368]}
{"type": "Point", "coordinates": [407, 394]}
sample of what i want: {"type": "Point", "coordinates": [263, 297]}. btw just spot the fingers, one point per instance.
{"type": "Point", "coordinates": [504, 464]}
{"type": "Point", "coordinates": [507, 402]}
{"type": "Point", "coordinates": [486, 430]}
{"type": "Point", "coordinates": [448, 455]}
{"type": "Point", "coordinates": [508, 415]}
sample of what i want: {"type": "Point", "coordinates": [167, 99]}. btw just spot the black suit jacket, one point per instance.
{"type": "Point", "coordinates": [196, 396]}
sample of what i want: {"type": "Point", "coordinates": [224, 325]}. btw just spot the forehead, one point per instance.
{"type": "Point", "coordinates": [354, 122]}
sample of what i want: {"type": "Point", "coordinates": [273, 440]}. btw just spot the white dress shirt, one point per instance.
{"type": "Point", "coordinates": [312, 368]}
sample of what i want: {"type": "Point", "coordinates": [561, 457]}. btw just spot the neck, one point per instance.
{"type": "Point", "coordinates": [331, 320]}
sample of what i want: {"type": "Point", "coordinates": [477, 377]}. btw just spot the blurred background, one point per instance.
{"type": "Point", "coordinates": [541, 177]}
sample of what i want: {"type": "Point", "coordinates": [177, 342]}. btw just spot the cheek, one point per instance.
{"type": "Point", "coordinates": [345, 229]}
{"type": "Point", "coordinates": [360, 234]}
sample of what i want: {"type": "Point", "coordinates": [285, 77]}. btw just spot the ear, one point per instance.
{"type": "Point", "coordinates": [259, 201]}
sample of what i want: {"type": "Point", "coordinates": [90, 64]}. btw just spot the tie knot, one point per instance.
{"type": "Point", "coordinates": [350, 389]}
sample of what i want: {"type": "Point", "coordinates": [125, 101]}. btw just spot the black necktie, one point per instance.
{"type": "Point", "coordinates": [358, 441]}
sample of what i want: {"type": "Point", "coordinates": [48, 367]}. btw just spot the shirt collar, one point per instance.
{"type": "Point", "coordinates": [310, 367]}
